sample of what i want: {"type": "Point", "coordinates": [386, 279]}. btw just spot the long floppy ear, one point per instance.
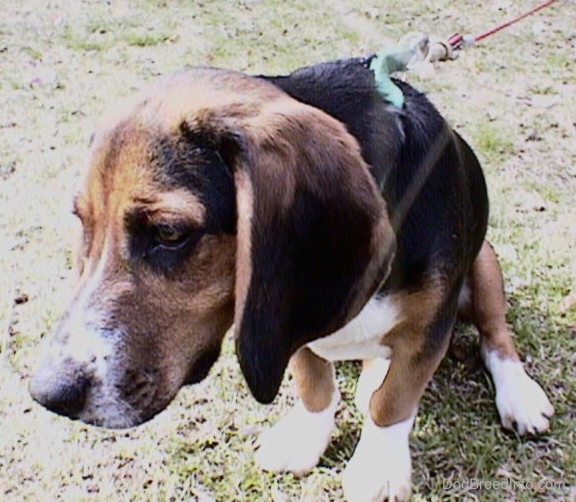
{"type": "Point", "coordinates": [314, 239]}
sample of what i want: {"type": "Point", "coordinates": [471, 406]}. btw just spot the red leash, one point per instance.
{"type": "Point", "coordinates": [457, 41]}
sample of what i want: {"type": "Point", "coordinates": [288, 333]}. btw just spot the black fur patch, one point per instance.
{"type": "Point", "coordinates": [444, 223]}
{"type": "Point", "coordinates": [304, 267]}
{"type": "Point", "coordinates": [346, 90]}
{"type": "Point", "coordinates": [191, 161]}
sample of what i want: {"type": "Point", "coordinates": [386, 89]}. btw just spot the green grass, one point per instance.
{"type": "Point", "coordinates": [62, 63]}
{"type": "Point", "coordinates": [495, 140]}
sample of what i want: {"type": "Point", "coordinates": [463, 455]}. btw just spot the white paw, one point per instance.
{"type": "Point", "coordinates": [521, 402]}
{"type": "Point", "coordinates": [380, 468]}
{"type": "Point", "coordinates": [370, 379]}
{"type": "Point", "coordinates": [298, 440]}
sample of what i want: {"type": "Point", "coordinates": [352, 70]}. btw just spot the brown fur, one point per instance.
{"type": "Point", "coordinates": [314, 379]}
{"type": "Point", "coordinates": [413, 361]}
{"type": "Point", "coordinates": [487, 307]}
{"type": "Point", "coordinates": [245, 202]}
{"type": "Point", "coordinates": [116, 184]}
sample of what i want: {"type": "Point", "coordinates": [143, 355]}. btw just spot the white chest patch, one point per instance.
{"type": "Point", "coordinates": [362, 337]}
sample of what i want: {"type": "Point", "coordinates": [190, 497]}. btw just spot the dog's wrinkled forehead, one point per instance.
{"type": "Point", "coordinates": [147, 146]}
{"type": "Point", "coordinates": [180, 161]}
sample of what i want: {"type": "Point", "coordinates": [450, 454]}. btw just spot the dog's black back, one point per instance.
{"type": "Point", "coordinates": [429, 176]}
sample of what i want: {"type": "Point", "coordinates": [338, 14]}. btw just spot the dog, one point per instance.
{"type": "Point", "coordinates": [320, 221]}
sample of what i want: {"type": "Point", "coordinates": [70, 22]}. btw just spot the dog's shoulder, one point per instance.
{"type": "Point", "coordinates": [431, 180]}
{"type": "Point", "coordinates": [345, 89]}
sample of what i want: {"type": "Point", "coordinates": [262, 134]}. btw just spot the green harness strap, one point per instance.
{"type": "Point", "coordinates": [409, 49]}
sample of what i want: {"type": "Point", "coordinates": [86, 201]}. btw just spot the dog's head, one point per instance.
{"type": "Point", "coordinates": [214, 198]}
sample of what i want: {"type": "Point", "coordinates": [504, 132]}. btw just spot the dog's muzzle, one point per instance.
{"type": "Point", "coordinates": [81, 377]}
{"type": "Point", "coordinates": [61, 391]}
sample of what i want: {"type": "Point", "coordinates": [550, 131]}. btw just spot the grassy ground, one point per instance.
{"type": "Point", "coordinates": [514, 98]}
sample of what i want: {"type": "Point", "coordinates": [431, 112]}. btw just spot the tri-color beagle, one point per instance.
{"type": "Point", "coordinates": [324, 223]}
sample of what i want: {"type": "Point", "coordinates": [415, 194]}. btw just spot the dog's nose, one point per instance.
{"type": "Point", "coordinates": [63, 394]}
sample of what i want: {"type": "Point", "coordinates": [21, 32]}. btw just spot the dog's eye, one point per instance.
{"type": "Point", "coordinates": [169, 236]}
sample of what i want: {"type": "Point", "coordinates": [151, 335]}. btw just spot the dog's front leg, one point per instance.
{"type": "Point", "coordinates": [381, 468]}
{"type": "Point", "coordinates": [298, 440]}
